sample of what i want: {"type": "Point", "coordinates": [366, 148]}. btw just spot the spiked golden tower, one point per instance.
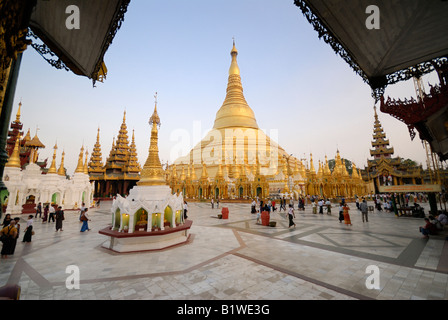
{"type": "Point", "coordinates": [152, 172]}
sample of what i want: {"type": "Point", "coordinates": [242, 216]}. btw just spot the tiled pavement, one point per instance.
{"type": "Point", "coordinates": [236, 259]}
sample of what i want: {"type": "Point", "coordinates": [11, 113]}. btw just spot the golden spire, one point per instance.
{"type": "Point", "coordinates": [193, 173]}
{"type": "Point", "coordinates": [235, 112]}
{"type": "Point", "coordinates": [96, 159]}
{"type": "Point", "coordinates": [152, 173]}
{"type": "Point", "coordinates": [61, 170]}
{"type": "Point", "coordinates": [133, 166]}
{"type": "Point", "coordinates": [85, 168]}
{"type": "Point", "coordinates": [80, 167]}
{"type": "Point", "coordinates": [18, 113]}
{"type": "Point", "coordinates": [14, 159]}
{"type": "Point", "coordinates": [312, 170]}
{"type": "Point", "coordinates": [327, 170]}
{"type": "Point", "coordinates": [234, 69]}
{"type": "Point", "coordinates": [53, 169]}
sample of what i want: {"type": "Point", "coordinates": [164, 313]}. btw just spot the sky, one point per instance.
{"type": "Point", "coordinates": [294, 83]}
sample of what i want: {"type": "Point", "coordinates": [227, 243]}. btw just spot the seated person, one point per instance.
{"type": "Point", "coordinates": [428, 229]}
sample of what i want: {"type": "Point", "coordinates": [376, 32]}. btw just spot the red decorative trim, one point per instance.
{"type": "Point", "coordinates": [113, 233]}
{"type": "Point", "coordinates": [414, 111]}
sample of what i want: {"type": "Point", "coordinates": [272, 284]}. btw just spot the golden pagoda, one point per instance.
{"type": "Point", "coordinates": [386, 170]}
{"type": "Point", "coordinates": [152, 172]}
{"type": "Point", "coordinates": [121, 170]}
{"type": "Point", "coordinates": [236, 158]}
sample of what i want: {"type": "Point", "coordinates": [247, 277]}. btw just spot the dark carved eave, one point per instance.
{"type": "Point", "coordinates": [377, 84]}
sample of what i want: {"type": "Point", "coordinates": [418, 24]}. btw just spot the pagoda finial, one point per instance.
{"type": "Point", "coordinates": [53, 162]}
{"type": "Point", "coordinates": [234, 69]}
{"type": "Point", "coordinates": [61, 170]}
{"type": "Point", "coordinates": [155, 119]}
{"type": "Point", "coordinates": [80, 166]}
{"type": "Point", "coordinates": [18, 112]}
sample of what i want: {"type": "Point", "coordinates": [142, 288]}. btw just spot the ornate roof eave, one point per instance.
{"type": "Point", "coordinates": [377, 84]}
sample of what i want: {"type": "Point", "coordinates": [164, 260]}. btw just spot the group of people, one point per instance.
{"type": "Point", "coordinates": [321, 203]}
{"type": "Point", "coordinates": [434, 224]}
{"type": "Point", "coordinates": [10, 233]}
{"type": "Point", "coordinates": [11, 228]}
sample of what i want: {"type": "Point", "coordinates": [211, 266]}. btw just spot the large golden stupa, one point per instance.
{"type": "Point", "coordinates": [236, 158]}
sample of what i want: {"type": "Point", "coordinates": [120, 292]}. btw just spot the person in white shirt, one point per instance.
{"type": "Point", "coordinates": [291, 216]}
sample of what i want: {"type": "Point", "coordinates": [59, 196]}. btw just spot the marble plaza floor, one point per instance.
{"type": "Point", "coordinates": [237, 259]}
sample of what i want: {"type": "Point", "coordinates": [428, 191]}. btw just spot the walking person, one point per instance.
{"type": "Point", "coordinates": [85, 221]}
{"type": "Point", "coordinates": [51, 213]}
{"type": "Point", "coordinates": [81, 210]}
{"type": "Point", "coordinates": [347, 220]}
{"type": "Point", "coordinates": [8, 234]}
{"type": "Point", "coordinates": [45, 217]}
{"type": "Point", "coordinates": [39, 210]}
{"type": "Point", "coordinates": [364, 210]}
{"type": "Point", "coordinates": [341, 212]}
{"type": "Point", "coordinates": [29, 229]}
{"type": "Point", "coordinates": [59, 219]}
{"type": "Point", "coordinates": [212, 203]}
{"type": "Point", "coordinates": [291, 216]}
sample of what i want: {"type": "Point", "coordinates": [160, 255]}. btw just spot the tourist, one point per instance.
{"type": "Point", "coordinates": [185, 210]}
{"type": "Point", "coordinates": [291, 216]}
{"type": "Point", "coordinates": [29, 230]}
{"type": "Point", "coordinates": [51, 215]}
{"type": "Point", "coordinates": [45, 217]}
{"type": "Point", "coordinates": [6, 220]}
{"type": "Point", "coordinates": [85, 221]}
{"type": "Point", "coordinates": [341, 212]}
{"type": "Point", "coordinates": [347, 220]}
{"type": "Point", "coordinates": [8, 234]}
{"type": "Point", "coordinates": [314, 207]}
{"type": "Point", "coordinates": [217, 203]}
{"type": "Point", "coordinates": [212, 203]}
{"type": "Point", "coordinates": [253, 208]}
{"type": "Point", "coordinates": [59, 219]}
{"type": "Point", "coordinates": [39, 210]}
{"type": "Point", "coordinates": [321, 206]}
{"type": "Point", "coordinates": [273, 206]}
{"type": "Point", "coordinates": [357, 203]}
{"type": "Point", "coordinates": [83, 206]}
{"type": "Point", "coordinates": [364, 210]}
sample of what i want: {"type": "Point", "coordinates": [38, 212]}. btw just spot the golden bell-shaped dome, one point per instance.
{"type": "Point", "coordinates": [235, 112]}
